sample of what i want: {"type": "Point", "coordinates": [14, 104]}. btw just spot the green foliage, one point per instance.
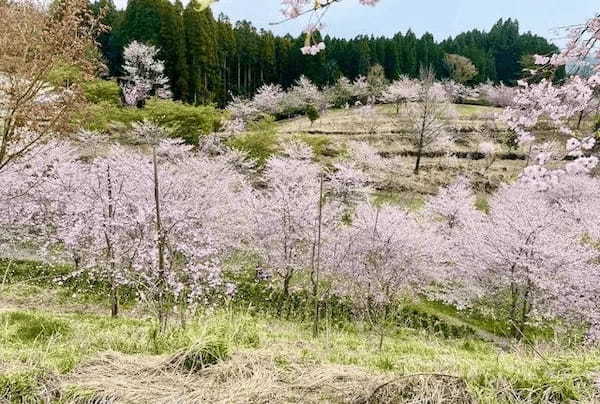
{"type": "Point", "coordinates": [482, 202]}
{"type": "Point", "coordinates": [184, 121]}
{"type": "Point", "coordinates": [490, 373]}
{"type": "Point", "coordinates": [461, 69]}
{"type": "Point", "coordinates": [99, 91]}
{"type": "Point", "coordinates": [106, 116]}
{"type": "Point", "coordinates": [414, 317]}
{"type": "Point", "coordinates": [321, 145]}
{"type": "Point", "coordinates": [384, 362]}
{"type": "Point", "coordinates": [64, 76]}
{"type": "Point", "coordinates": [410, 201]}
{"type": "Point", "coordinates": [187, 122]}
{"type": "Point", "coordinates": [27, 327]}
{"type": "Point", "coordinates": [207, 59]}
{"type": "Point", "coordinates": [312, 113]}
{"type": "Point", "coordinates": [260, 142]}
{"type": "Point", "coordinates": [597, 125]}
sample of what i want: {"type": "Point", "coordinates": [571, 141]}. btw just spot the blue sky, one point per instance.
{"type": "Point", "coordinates": [440, 17]}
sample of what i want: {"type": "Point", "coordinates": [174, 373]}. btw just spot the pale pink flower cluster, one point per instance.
{"type": "Point", "coordinates": [529, 245]}
{"type": "Point", "coordinates": [457, 91]}
{"type": "Point", "coordinates": [102, 211]}
{"type": "Point", "coordinates": [563, 108]}
{"type": "Point", "coordinates": [271, 99]}
{"type": "Point", "coordinates": [383, 255]}
{"type": "Point", "coordinates": [313, 49]}
{"type": "Point", "coordinates": [497, 95]}
{"type": "Point", "coordinates": [401, 91]}
{"type": "Point", "coordinates": [292, 9]}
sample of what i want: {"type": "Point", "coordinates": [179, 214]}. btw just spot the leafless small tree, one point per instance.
{"type": "Point", "coordinates": [429, 115]}
{"type": "Point", "coordinates": [36, 42]}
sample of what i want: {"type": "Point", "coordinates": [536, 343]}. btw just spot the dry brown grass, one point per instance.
{"type": "Point", "coordinates": [250, 377]}
{"type": "Point", "coordinates": [473, 125]}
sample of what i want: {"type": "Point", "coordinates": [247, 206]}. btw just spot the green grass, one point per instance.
{"type": "Point", "coordinates": [562, 375]}
{"type": "Point", "coordinates": [45, 339]}
{"type": "Point", "coordinates": [408, 200]}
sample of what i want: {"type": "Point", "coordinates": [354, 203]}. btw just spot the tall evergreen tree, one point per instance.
{"type": "Point", "coordinates": [173, 47]}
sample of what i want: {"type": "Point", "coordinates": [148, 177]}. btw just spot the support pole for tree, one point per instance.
{"type": "Point", "coordinates": [317, 261]}
{"type": "Point", "coordinates": [162, 316]}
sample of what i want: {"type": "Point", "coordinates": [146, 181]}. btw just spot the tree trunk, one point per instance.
{"type": "Point", "coordinates": [316, 263]}
{"type": "Point", "coordinates": [418, 163]}
{"type": "Point", "coordinates": [524, 313]}
{"type": "Point", "coordinates": [420, 149]}
{"type": "Point", "coordinates": [580, 120]}
{"type": "Point", "coordinates": [239, 75]}
{"type": "Point", "coordinates": [114, 300]}
{"type": "Point", "coordinates": [286, 294]}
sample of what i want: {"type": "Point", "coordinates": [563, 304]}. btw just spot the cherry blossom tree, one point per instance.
{"type": "Point", "coordinates": [191, 212]}
{"type": "Point", "coordinates": [559, 109]}
{"type": "Point", "coordinates": [361, 91]}
{"type": "Point", "coordinates": [382, 257]}
{"type": "Point", "coordinates": [285, 215]}
{"type": "Point", "coordinates": [366, 118]}
{"type": "Point", "coordinates": [497, 95]}
{"type": "Point", "coordinates": [401, 92]}
{"type": "Point", "coordinates": [269, 99]}
{"type": "Point", "coordinates": [144, 74]}
{"type": "Point", "coordinates": [458, 92]}
{"type": "Point", "coordinates": [305, 94]}
{"type": "Point", "coordinates": [158, 223]}
{"type": "Point", "coordinates": [27, 210]}
{"type": "Point", "coordinates": [453, 208]}
{"type": "Point", "coordinates": [490, 153]}
{"type": "Point", "coordinates": [529, 253]}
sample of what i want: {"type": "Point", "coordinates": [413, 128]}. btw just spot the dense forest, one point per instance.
{"type": "Point", "coordinates": [209, 59]}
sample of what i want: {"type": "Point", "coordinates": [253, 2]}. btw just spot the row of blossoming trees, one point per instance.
{"type": "Point", "coordinates": [160, 219]}
{"type": "Point", "coordinates": [274, 100]}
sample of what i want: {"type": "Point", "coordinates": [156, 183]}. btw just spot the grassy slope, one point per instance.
{"type": "Point", "coordinates": [55, 343]}
{"type": "Point", "coordinates": [474, 124]}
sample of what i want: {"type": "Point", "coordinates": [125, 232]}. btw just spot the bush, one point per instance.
{"type": "Point", "coordinates": [64, 76]}
{"type": "Point", "coordinates": [105, 116]}
{"type": "Point", "coordinates": [414, 318]}
{"type": "Point", "coordinates": [183, 121]}
{"type": "Point", "coordinates": [187, 122]}
{"type": "Point", "coordinates": [320, 145]}
{"type": "Point", "coordinates": [98, 91]}
{"type": "Point", "coordinates": [260, 143]}
{"type": "Point", "coordinates": [312, 114]}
